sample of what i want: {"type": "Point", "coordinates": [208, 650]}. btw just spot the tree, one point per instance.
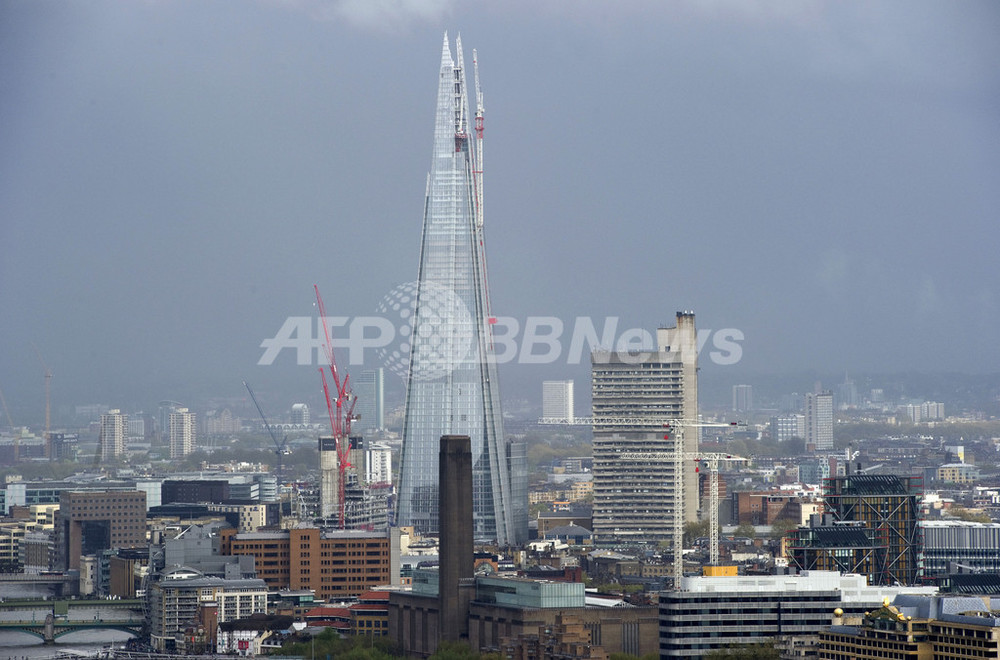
{"type": "Point", "coordinates": [782, 526]}
{"type": "Point", "coordinates": [794, 446]}
{"type": "Point", "coordinates": [746, 530]}
{"type": "Point", "coordinates": [968, 515]}
{"type": "Point", "coordinates": [454, 651]}
{"type": "Point", "coordinates": [695, 530]}
{"type": "Point", "coordinates": [351, 647]}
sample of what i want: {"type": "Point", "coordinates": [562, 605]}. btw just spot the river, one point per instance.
{"type": "Point", "coordinates": [25, 645]}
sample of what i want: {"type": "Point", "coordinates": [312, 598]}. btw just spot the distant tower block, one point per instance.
{"type": "Point", "coordinates": [113, 426]}
{"type": "Point", "coordinates": [300, 414]}
{"type": "Point", "coordinates": [182, 432]}
{"type": "Point", "coordinates": [742, 398]}
{"type": "Point", "coordinates": [370, 409]}
{"type": "Point", "coordinates": [819, 421]}
{"type": "Point", "coordinates": [557, 399]}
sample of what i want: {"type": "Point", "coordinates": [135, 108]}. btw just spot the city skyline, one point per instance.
{"type": "Point", "coordinates": [802, 158]}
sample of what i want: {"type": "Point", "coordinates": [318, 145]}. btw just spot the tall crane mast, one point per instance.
{"type": "Point", "coordinates": [280, 448]}
{"type": "Point", "coordinates": [711, 459]}
{"type": "Point", "coordinates": [10, 422]}
{"type": "Point", "coordinates": [6, 411]}
{"type": "Point", "coordinates": [477, 156]}
{"type": "Point", "coordinates": [48, 404]}
{"type": "Point", "coordinates": [341, 411]}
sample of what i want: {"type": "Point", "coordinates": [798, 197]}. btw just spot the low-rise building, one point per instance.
{"type": "Point", "coordinates": [958, 473]}
{"type": "Point", "coordinates": [502, 610]}
{"type": "Point", "coordinates": [975, 546]}
{"type": "Point", "coordinates": [917, 627]}
{"type": "Point", "coordinates": [709, 613]}
{"type": "Point", "coordinates": [370, 615]}
{"type": "Point", "coordinates": [177, 598]}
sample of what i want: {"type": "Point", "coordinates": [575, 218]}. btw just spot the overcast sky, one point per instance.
{"type": "Point", "coordinates": [175, 176]}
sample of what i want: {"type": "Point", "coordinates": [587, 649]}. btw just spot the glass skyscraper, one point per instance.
{"type": "Point", "coordinates": [452, 385]}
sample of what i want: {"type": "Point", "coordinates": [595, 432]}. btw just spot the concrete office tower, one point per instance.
{"type": "Point", "coordinates": [455, 542]}
{"type": "Point", "coordinates": [370, 389]}
{"type": "Point", "coordinates": [819, 421]}
{"type": "Point", "coordinates": [300, 413]}
{"type": "Point", "coordinates": [634, 394]}
{"type": "Point", "coordinates": [114, 425]}
{"type": "Point", "coordinates": [742, 398]}
{"type": "Point", "coordinates": [182, 432]}
{"type": "Point", "coordinates": [89, 522]}
{"type": "Point", "coordinates": [329, 477]}
{"type": "Point", "coordinates": [557, 399]}
{"type": "Point", "coordinates": [452, 386]}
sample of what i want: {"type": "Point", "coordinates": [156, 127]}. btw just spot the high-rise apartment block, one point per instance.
{"type": "Point", "coordinates": [378, 464]}
{"type": "Point", "coordinates": [742, 398]}
{"type": "Point", "coordinates": [557, 400]}
{"type": "Point", "coordinates": [635, 393]}
{"type": "Point", "coordinates": [452, 386]}
{"type": "Point", "coordinates": [114, 430]}
{"type": "Point", "coordinates": [300, 414]}
{"type": "Point", "coordinates": [182, 432]}
{"type": "Point", "coordinates": [819, 421]}
{"type": "Point", "coordinates": [370, 390]}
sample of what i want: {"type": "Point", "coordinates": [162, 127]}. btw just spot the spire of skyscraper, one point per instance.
{"type": "Point", "coordinates": [452, 386]}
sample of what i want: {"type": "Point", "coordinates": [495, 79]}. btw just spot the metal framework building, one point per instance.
{"type": "Point", "coordinates": [885, 541]}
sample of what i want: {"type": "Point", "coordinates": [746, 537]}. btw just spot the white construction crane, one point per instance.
{"type": "Point", "coordinates": [677, 457]}
{"type": "Point", "coordinates": [712, 459]}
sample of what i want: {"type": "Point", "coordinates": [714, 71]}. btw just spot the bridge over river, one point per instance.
{"type": "Point", "coordinates": [49, 620]}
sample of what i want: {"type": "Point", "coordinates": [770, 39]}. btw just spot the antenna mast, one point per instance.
{"type": "Point", "coordinates": [477, 168]}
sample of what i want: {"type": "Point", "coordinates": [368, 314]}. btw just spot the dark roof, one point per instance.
{"type": "Point", "coordinates": [568, 530]}
{"type": "Point", "coordinates": [833, 537]}
{"type": "Point", "coordinates": [258, 622]}
{"type": "Point", "coordinates": [970, 583]}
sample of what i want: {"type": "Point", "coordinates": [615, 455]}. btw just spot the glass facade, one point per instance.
{"type": "Point", "coordinates": [452, 385]}
{"type": "Point", "coordinates": [513, 592]}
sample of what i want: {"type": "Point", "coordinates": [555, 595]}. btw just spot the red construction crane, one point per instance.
{"type": "Point", "coordinates": [341, 410]}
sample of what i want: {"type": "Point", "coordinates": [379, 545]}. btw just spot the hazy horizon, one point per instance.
{"type": "Point", "coordinates": [175, 177]}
